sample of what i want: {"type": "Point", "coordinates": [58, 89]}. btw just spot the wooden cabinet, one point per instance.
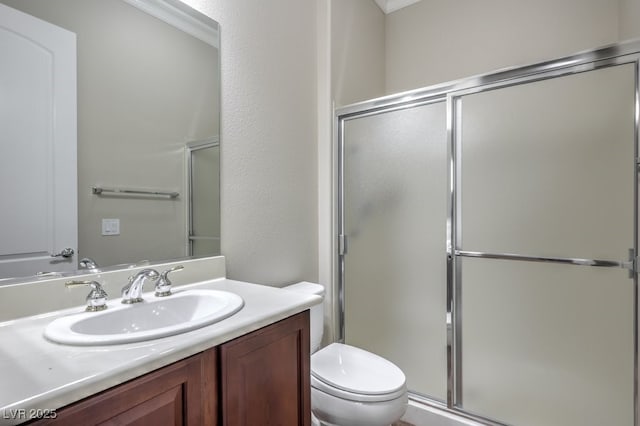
{"type": "Point", "coordinates": [265, 376]}
{"type": "Point", "coordinates": [173, 395]}
{"type": "Point", "coordinates": [261, 378]}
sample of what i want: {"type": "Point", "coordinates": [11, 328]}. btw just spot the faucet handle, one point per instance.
{"type": "Point", "coordinates": [97, 297]}
{"type": "Point", "coordinates": [163, 285]}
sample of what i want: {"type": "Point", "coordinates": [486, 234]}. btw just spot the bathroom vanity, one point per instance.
{"type": "Point", "coordinates": [259, 378]}
{"type": "Point", "coordinates": [249, 368]}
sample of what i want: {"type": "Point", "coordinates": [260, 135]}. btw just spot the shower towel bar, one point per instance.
{"type": "Point", "coordinates": [568, 261]}
{"type": "Point", "coordinates": [99, 191]}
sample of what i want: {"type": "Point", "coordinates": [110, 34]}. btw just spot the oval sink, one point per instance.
{"type": "Point", "coordinates": [155, 317]}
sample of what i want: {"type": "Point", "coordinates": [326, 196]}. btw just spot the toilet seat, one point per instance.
{"type": "Point", "coordinates": [352, 396]}
{"type": "Point", "coordinates": [354, 374]}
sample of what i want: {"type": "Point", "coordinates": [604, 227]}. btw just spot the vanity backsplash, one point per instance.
{"type": "Point", "coordinates": [48, 294]}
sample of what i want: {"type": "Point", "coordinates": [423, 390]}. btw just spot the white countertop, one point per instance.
{"type": "Point", "coordinates": [37, 374]}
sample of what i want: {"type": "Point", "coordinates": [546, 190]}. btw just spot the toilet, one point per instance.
{"type": "Point", "coordinates": [350, 386]}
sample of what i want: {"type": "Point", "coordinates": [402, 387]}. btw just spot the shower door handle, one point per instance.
{"type": "Point", "coordinates": [630, 264]}
{"type": "Point", "coordinates": [342, 244]}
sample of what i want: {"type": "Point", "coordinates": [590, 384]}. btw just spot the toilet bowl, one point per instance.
{"type": "Point", "coordinates": [350, 386]}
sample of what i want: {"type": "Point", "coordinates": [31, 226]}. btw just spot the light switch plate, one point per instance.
{"type": "Point", "coordinates": [110, 226]}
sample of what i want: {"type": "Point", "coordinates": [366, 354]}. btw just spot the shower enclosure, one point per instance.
{"type": "Point", "coordinates": [487, 239]}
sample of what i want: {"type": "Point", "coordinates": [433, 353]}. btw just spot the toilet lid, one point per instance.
{"type": "Point", "coordinates": [356, 371]}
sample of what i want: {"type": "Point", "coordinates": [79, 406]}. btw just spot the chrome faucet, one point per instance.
{"type": "Point", "coordinates": [87, 263]}
{"type": "Point", "coordinates": [132, 292]}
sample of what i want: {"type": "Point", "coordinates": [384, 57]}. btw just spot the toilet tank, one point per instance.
{"type": "Point", "coordinates": [317, 314]}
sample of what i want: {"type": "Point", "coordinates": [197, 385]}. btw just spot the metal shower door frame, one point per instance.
{"type": "Point", "coordinates": [190, 149]}
{"type": "Point", "coordinates": [451, 93]}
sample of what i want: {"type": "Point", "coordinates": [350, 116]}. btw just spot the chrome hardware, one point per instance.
{"type": "Point", "coordinates": [630, 264]}
{"type": "Point", "coordinates": [165, 194]}
{"type": "Point", "coordinates": [87, 263]}
{"type": "Point", "coordinates": [132, 292]}
{"type": "Point", "coordinates": [66, 253]}
{"type": "Point", "coordinates": [163, 285]}
{"type": "Point", "coordinates": [144, 262]}
{"type": "Point", "coordinates": [342, 244]}
{"type": "Point", "coordinates": [139, 264]}
{"type": "Point", "coordinates": [97, 297]}
{"type": "Point", "coordinates": [48, 274]}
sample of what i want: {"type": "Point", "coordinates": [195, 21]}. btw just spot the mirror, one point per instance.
{"type": "Point", "coordinates": [147, 91]}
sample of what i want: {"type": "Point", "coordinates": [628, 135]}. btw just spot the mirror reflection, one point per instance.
{"type": "Point", "coordinates": [147, 105]}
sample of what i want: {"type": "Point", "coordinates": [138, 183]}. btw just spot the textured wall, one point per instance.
{"type": "Point", "coordinates": [357, 51]}
{"type": "Point", "coordinates": [439, 40]}
{"type": "Point", "coordinates": [629, 19]}
{"type": "Point", "coordinates": [268, 138]}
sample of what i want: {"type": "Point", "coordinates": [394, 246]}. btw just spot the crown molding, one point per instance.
{"type": "Point", "coordinates": [183, 17]}
{"type": "Point", "coordinates": [389, 6]}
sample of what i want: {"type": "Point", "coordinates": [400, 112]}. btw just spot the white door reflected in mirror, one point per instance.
{"type": "Point", "coordinates": [37, 145]}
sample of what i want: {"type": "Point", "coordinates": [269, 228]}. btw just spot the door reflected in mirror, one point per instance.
{"type": "Point", "coordinates": [147, 93]}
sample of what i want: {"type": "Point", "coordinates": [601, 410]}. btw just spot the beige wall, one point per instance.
{"type": "Point", "coordinates": [144, 90]}
{"type": "Point", "coordinates": [434, 41]}
{"type": "Point", "coordinates": [629, 19]}
{"type": "Point", "coordinates": [357, 51]}
{"type": "Point", "coordinates": [268, 138]}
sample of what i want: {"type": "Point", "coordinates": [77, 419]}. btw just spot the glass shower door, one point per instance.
{"type": "Point", "coordinates": [395, 214]}
{"type": "Point", "coordinates": [203, 180]}
{"type": "Point", "coordinates": [546, 184]}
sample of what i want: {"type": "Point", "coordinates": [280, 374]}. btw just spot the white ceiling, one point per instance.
{"type": "Point", "coordinates": [389, 6]}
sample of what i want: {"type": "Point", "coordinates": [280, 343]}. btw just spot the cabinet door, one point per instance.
{"type": "Point", "coordinates": [265, 376]}
{"type": "Point", "coordinates": [171, 396]}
